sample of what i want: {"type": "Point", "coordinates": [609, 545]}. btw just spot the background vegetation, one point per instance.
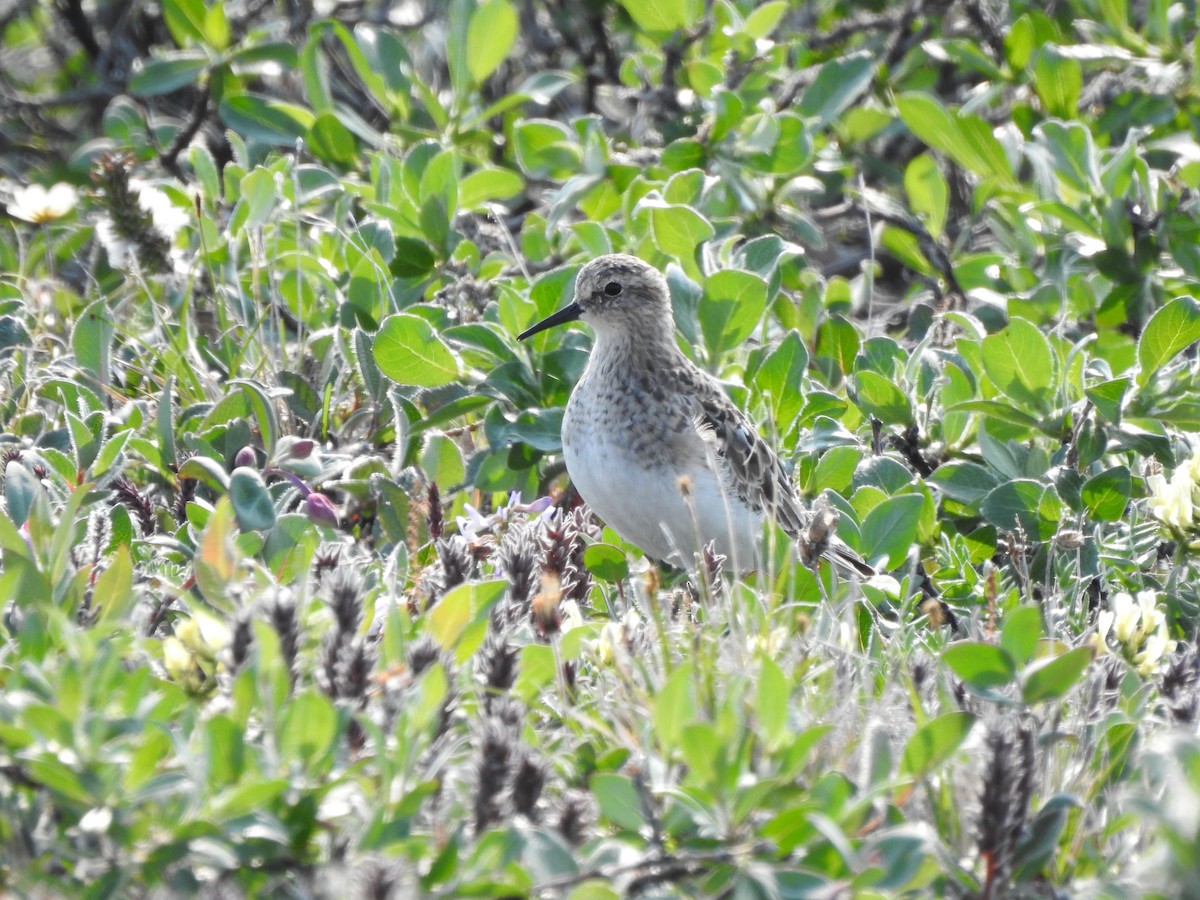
{"type": "Point", "coordinates": [295, 598]}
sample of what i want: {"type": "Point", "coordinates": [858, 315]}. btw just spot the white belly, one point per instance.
{"type": "Point", "coordinates": [647, 506]}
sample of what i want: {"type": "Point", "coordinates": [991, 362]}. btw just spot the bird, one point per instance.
{"type": "Point", "coordinates": [655, 446]}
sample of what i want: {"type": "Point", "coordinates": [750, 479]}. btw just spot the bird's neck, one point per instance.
{"type": "Point", "coordinates": [627, 348]}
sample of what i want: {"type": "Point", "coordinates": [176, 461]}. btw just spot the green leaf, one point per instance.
{"type": "Point", "coordinates": [1049, 679]}
{"type": "Point", "coordinates": [307, 729]}
{"type": "Point", "coordinates": [413, 258]}
{"type": "Point", "coordinates": [674, 707]}
{"type": "Point", "coordinates": [772, 701]}
{"type": "Point", "coordinates": [1106, 495]}
{"type": "Point", "coordinates": [837, 86]}
{"type": "Point", "coordinates": [837, 344]}
{"type": "Point", "coordinates": [448, 620]}
{"type": "Point", "coordinates": [966, 139]}
{"type": "Point", "coordinates": [1058, 80]}
{"type": "Point", "coordinates": [1076, 163]}
{"type": "Point", "coordinates": [21, 489]}
{"type": "Point", "coordinates": [216, 25]}
{"type": "Point", "coordinates": [216, 557]}
{"type": "Point", "coordinates": [1020, 363]}
{"type": "Point", "coordinates": [114, 588]}
{"type": "Point", "coordinates": [979, 664]}
{"type": "Point", "coordinates": [661, 15]}
{"type": "Point", "coordinates": [928, 192]}
{"type": "Point", "coordinates": [251, 500]}
{"type": "Point", "coordinates": [677, 231]}
{"type": "Point", "coordinates": [1026, 504]}
{"type": "Point", "coordinates": [168, 72]}
{"type": "Point", "coordinates": [890, 529]}
{"type": "Point", "coordinates": [762, 21]}
{"type": "Point", "coordinates": [733, 306]}
{"type": "Point", "coordinates": [966, 482]}
{"type": "Point", "coordinates": [881, 398]}
{"type": "Point", "coordinates": [266, 120]}
{"type": "Point", "coordinates": [1020, 42]}
{"type": "Point", "coordinates": [618, 800]}
{"type": "Point", "coordinates": [409, 351]}
{"type": "Point", "coordinates": [537, 669]}
{"type": "Point", "coordinates": [1169, 331]}
{"type": "Point", "coordinates": [606, 562]}
{"type": "Point", "coordinates": [780, 377]}
{"type": "Point", "coordinates": [207, 470]}
{"type": "Point", "coordinates": [265, 413]}
{"type": "Point", "coordinates": [289, 547]}
{"type": "Point", "coordinates": [185, 20]}
{"type": "Point", "coordinates": [546, 149]}
{"type": "Point", "coordinates": [487, 184]}
{"type": "Point", "coordinates": [490, 37]}
{"type": "Point", "coordinates": [164, 425]}
{"type": "Point", "coordinates": [934, 742]}
{"type": "Point", "coordinates": [257, 189]}
{"type": "Point", "coordinates": [332, 141]}
{"type": "Point", "coordinates": [1107, 396]}
{"type": "Point", "coordinates": [1039, 841]}
{"type": "Point", "coordinates": [1001, 410]}
{"type": "Point", "coordinates": [92, 338]}
{"type": "Point", "coordinates": [1021, 632]}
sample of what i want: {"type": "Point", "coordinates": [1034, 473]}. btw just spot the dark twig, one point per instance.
{"type": "Point", "coordinates": [169, 157]}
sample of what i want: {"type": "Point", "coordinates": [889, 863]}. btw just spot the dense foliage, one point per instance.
{"type": "Point", "coordinates": [296, 600]}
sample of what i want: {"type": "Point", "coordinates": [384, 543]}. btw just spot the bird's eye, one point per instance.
{"type": "Point", "coordinates": [612, 289]}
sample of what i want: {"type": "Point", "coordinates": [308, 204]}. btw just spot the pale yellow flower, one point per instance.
{"type": "Point", "coordinates": [204, 634]}
{"type": "Point", "coordinates": [1138, 628]}
{"type": "Point", "coordinates": [770, 643]}
{"type": "Point", "coordinates": [1192, 465]}
{"type": "Point", "coordinates": [33, 203]}
{"type": "Point", "coordinates": [1171, 501]}
{"type": "Point", "coordinates": [615, 637]}
{"type": "Point", "coordinates": [190, 655]}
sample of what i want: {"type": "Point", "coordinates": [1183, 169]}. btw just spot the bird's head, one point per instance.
{"type": "Point", "coordinates": [616, 294]}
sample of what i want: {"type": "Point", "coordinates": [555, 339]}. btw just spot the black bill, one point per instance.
{"type": "Point", "coordinates": [568, 313]}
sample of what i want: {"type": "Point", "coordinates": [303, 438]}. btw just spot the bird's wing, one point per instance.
{"type": "Point", "coordinates": [753, 468]}
{"type": "Point", "coordinates": [760, 480]}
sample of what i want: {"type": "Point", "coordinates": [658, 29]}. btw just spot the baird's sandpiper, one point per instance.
{"type": "Point", "coordinates": [654, 445]}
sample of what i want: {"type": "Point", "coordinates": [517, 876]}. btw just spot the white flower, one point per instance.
{"type": "Point", "coordinates": [34, 203]}
{"type": "Point", "coordinates": [168, 218]}
{"type": "Point", "coordinates": [475, 523]}
{"type": "Point", "coordinates": [96, 821]}
{"type": "Point", "coordinates": [572, 617]}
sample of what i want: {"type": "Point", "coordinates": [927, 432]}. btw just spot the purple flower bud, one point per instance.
{"type": "Point", "coordinates": [246, 457]}
{"type": "Point", "coordinates": [320, 510]}
{"type": "Point", "coordinates": [301, 449]}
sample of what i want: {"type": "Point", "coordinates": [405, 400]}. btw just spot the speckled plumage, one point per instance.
{"type": "Point", "coordinates": [651, 441]}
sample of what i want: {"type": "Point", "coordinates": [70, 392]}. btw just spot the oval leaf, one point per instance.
{"type": "Point", "coordinates": [979, 664]}
{"type": "Point", "coordinates": [490, 36]}
{"type": "Point", "coordinates": [935, 741]}
{"type": "Point", "coordinates": [409, 351]}
{"type": "Point", "coordinates": [1020, 363]}
{"type": "Point", "coordinates": [251, 500]}
{"type": "Point", "coordinates": [1170, 330]}
{"type": "Point", "coordinates": [1051, 678]}
{"type": "Point", "coordinates": [889, 530]}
